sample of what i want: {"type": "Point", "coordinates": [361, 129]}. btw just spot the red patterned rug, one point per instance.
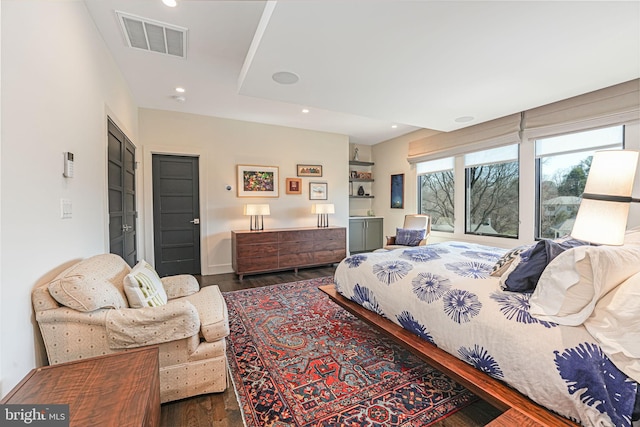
{"type": "Point", "coordinates": [298, 359]}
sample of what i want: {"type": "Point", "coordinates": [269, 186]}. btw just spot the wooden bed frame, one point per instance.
{"type": "Point", "coordinates": [517, 408]}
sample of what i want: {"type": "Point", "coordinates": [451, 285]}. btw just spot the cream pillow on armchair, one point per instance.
{"type": "Point", "coordinates": [143, 287]}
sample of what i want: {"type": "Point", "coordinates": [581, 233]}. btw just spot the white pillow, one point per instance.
{"type": "Point", "coordinates": [143, 287]}
{"type": "Point", "coordinates": [614, 324]}
{"type": "Point", "coordinates": [575, 280]}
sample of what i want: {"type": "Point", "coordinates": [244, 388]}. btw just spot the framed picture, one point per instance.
{"type": "Point", "coordinates": [317, 191]}
{"type": "Point", "coordinates": [309, 170]}
{"type": "Point", "coordinates": [293, 186]}
{"type": "Point", "coordinates": [397, 191]}
{"type": "Point", "coordinates": [257, 181]}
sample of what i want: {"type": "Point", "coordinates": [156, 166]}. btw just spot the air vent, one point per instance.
{"type": "Point", "coordinates": [146, 34]}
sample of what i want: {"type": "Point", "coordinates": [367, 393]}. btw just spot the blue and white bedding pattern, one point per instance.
{"type": "Point", "coordinates": [444, 294]}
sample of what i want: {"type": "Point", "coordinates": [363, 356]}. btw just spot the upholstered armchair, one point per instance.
{"type": "Point", "coordinates": [407, 235]}
{"type": "Point", "coordinates": [85, 312]}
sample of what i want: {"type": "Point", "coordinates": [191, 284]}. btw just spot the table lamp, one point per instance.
{"type": "Point", "coordinates": [603, 212]}
{"type": "Point", "coordinates": [323, 211]}
{"type": "Point", "coordinates": [256, 212]}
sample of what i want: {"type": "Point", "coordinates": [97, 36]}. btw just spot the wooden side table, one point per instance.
{"type": "Point", "coordinates": [120, 389]}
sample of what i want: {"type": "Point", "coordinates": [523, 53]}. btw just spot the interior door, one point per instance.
{"type": "Point", "coordinates": [122, 194]}
{"type": "Point", "coordinates": [176, 211]}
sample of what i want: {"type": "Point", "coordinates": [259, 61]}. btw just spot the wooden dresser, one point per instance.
{"type": "Point", "coordinates": [286, 248]}
{"type": "Point", "coordinates": [120, 389]}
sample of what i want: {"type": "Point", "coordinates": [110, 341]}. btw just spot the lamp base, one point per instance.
{"type": "Point", "coordinates": [256, 223]}
{"type": "Point", "coordinates": [323, 220]}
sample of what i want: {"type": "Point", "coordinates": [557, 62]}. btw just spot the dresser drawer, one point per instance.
{"type": "Point", "coordinates": [329, 244]}
{"type": "Point", "coordinates": [322, 257]}
{"type": "Point", "coordinates": [257, 264]}
{"type": "Point", "coordinates": [297, 236]}
{"type": "Point", "coordinates": [257, 251]}
{"type": "Point", "coordinates": [296, 247]}
{"type": "Point", "coordinates": [256, 237]}
{"type": "Point", "coordinates": [296, 260]}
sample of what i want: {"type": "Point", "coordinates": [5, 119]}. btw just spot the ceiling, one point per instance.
{"type": "Point", "coordinates": [364, 67]}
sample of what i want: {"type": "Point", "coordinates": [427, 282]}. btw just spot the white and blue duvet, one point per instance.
{"type": "Point", "coordinates": [444, 294]}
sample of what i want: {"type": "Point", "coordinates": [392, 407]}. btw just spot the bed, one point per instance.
{"type": "Point", "coordinates": [444, 294]}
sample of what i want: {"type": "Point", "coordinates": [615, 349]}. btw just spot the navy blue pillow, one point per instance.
{"type": "Point", "coordinates": [533, 261]}
{"type": "Point", "coordinates": [409, 237]}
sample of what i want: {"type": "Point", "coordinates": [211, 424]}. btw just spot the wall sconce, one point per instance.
{"type": "Point", "coordinates": [256, 212]}
{"type": "Point", "coordinates": [323, 211]}
{"type": "Point", "coordinates": [603, 212]}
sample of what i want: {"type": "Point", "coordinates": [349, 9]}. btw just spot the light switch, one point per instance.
{"type": "Point", "coordinates": [65, 208]}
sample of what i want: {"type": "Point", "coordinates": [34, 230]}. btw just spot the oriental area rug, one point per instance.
{"type": "Point", "coordinates": [298, 359]}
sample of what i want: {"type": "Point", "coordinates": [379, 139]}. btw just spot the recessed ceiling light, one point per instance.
{"type": "Point", "coordinates": [170, 3]}
{"type": "Point", "coordinates": [305, 110]}
{"type": "Point", "coordinates": [180, 89]}
{"type": "Point", "coordinates": [285, 78]}
{"type": "Point", "coordinates": [179, 98]}
{"type": "Point", "coordinates": [394, 126]}
{"type": "Point", "coordinates": [464, 119]}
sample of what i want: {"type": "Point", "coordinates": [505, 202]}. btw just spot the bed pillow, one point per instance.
{"type": "Point", "coordinates": [144, 287]}
{"type": "Point", "coordinates": [409, 237]}
{"type": "Point", "coordinates": [502, 265]}
{"type": "Point", "coordinates": [524, 277]}
{"type": "Point", "coordinates": [614, 323]}
{"type": "Point", "coordinates": [572, 284]}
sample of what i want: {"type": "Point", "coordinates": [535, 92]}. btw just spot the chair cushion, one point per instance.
{"type": "Point", "coordinates": [212, 310]}
{"type": "Point", "coordinates": [91, 284]}
{"type": "Point", "coordinates": [409, 237]}
{"type": "Point", "coordinates": [143, 287]}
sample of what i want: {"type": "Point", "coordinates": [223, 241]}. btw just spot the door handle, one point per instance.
{"type": "Point", "coordinates": [195, 221]}
{"type": "Point", "coordinates": [126, 228]}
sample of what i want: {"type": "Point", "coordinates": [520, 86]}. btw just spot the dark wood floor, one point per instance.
{"type": "Point", "coordinates": [222, 410]}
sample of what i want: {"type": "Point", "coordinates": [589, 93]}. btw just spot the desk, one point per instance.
{"type": "Point", "coordinates": [121, 389]}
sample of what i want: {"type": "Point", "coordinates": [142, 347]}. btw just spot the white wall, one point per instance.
{"type": "Point", "coordinates": [222, 144]}
{"type": "Point", "coordinates": [58, 84]}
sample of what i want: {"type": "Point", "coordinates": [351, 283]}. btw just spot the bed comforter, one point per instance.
{"type": "Point", "coordinates": [444, 294]}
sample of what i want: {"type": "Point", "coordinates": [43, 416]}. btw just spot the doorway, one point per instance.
{"type": "Point", "coordinates": [121, 181]}
{"type": "Point", "coordinates": [176, 214]}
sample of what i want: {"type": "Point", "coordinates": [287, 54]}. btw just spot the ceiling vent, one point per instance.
{"type": "Point", "coordinates": [146, 34]}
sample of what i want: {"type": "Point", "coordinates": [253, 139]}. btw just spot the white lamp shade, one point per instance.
{"type": "Point", "coordinates": [612, 173]}
{"type": "Point", "coordinates": [327, 208]}
{"type": "Point", "coordinates": [601, 222]}
{"type": "Point", "coordinates": [602, 217]}
{"type": "Point", "coordinates": [256, 209]}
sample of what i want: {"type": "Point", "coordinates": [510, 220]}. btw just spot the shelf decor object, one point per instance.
{"type": "Point", "coordinates": [257, 181]}
{"type": "Point", "coordinates": [323, 211]}
{"type": "Point", "coordinates": [256, 212]}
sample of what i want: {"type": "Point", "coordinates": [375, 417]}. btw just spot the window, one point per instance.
{"type": "Point", "coordinates": [435, 192]}
{"type": "Point", "coordinates": [492, 188]}
{"type": "Point", "coordinates": [562, 166]}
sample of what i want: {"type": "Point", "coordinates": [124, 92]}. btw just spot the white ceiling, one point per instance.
{"type": "Point", "coordinates": [365, 66]}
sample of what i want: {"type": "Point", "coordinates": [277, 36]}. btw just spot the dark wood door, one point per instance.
{"type": "Point", "coordinates": [122, 194]}
{"type": "Point", "coordinates": [176, 214]}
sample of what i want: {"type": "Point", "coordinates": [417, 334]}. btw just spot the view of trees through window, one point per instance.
{"type": "Point", "coordinates": [563, 165]}
{"type": "Point", "coordinates": [436, 199]}
{"type": "Point", "coordinates": [492, 199]}
{"type": "Point", "coordinates": [492, 185]}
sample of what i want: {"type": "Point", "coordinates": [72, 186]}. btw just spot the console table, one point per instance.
{"type": "Point", "coordinates": [120, 389]}
{"type": "Point", "coordinates": [286, 248]}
